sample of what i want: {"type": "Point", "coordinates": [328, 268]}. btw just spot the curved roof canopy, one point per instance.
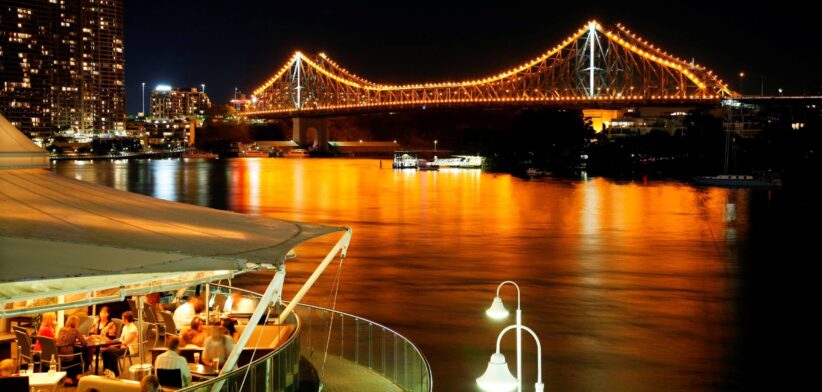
{"type": "Point", "coordinates": [17, 150]}
{"type": "Point", "coordinates": [60, 236]}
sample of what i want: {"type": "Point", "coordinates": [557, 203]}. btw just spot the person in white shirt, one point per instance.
{"type": "Point", "coordinates": [171, 359]}
{"type": "Point", "coordinates": [239, 304]}
{"type": "Point", "coordinates": [185, 312]}
{"type": "Point", "coordinates": [128, 344]}
{"type": "Point", "coordinates": [217, 346]}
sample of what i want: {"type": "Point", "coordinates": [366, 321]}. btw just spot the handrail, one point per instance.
{"type": "Point", "coordinates": [417, 349]}
{"type": "Point", "coordinates": [298, 332]}
{"type": "Point", "coordinates": [419, 352]}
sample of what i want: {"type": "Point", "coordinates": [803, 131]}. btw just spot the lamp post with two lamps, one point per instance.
{"type": "Point", "coordinates": [497, 377]}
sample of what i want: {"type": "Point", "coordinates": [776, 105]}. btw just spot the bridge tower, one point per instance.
{"type": "Point", "coordinates": [310, 132]}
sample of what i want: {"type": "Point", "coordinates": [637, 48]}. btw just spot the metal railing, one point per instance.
{"type": "Point", "coordinates": [338, 335]}
{"type": "Point", "coordinates": [328, 339]}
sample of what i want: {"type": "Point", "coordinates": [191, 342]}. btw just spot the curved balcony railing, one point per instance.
{"type": "Point", "coordinates": [334, 341]}
{"type": "Point", "coordinates": [343, 349]}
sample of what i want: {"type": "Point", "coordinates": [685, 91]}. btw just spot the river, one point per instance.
{"type": "Point", "coordinates": [630, 286]}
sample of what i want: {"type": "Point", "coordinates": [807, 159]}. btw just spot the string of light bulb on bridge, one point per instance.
{"type": "Point", "coordinates": [640, 48]}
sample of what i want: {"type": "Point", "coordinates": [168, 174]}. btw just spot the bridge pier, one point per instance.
{"type": "Point", "coordinates": [311, 133]}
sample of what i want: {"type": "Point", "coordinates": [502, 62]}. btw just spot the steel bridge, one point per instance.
{"type": "Point", "coordinates": [597, 66]}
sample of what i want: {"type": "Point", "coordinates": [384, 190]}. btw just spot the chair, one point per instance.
{"type": "Point", "coordinates": [168, 321]}
{"type": "Point", "coordinates": [14, 383]}
{"type": "Point", "coordinates": [24, 347]}
{"type": "Point", "coordinates": [49, 347]}
{"type": "Point", "coordinates": [170, 378]}
{"type": "Point", "coordinates": [132, 306]}
{"type": "Point", "coordinates": [85, 325]}
{"type": "Point", "coordinates": [122, 360]}
{"type": "Point", "coordinates": [100, 383]}
{"type": "Point", "coordinates": [152, 322]}
{"type": "Point", "coordinates": [118, 324]}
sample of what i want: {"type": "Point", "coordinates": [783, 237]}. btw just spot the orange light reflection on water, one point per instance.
{"type": "Point", "coordinates": [629, 287]}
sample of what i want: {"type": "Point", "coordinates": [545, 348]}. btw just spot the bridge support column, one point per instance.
{"type": "Point", "coordinates": [311, 133]}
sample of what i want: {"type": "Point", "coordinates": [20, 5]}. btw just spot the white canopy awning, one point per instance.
{"type": "Point", "coordinates": [64, 236]}
{"type": "Point", "coordinates": [17, 150]}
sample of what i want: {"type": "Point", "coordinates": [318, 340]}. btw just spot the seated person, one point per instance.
{"type": "Point", "coordinates": [185, 312]}
{"type": "Point", "coordinates": [103, 325]}
{"type": "Point", "coordinates": [239, 304]}
{"type": "Point", "coordinates": [67, 338]}
{"type": "Point", "coordinates": [217, 346]}
{"type": "Point", "coordinates": [187, 338]}
{"type": "Point", "coordinates": [230, 328]}
{"type": "Point", "coordinates": [128, 345]}
{"type": "Point", "coordinates": [153, 300]}
{"type": "Point", "coordinates": [7, 368]}
{"type": "Point", "coordinates": [171, 359]}
{"type": "Point", "coordinates": [46, 329]}
{"type": "Point", "coordinates": [200, 334]}
{"type": "Point", "coordinates": [150, 383]}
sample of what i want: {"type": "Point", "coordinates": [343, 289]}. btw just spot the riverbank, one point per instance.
{"type": "Point", "coordinates": [123, 155]}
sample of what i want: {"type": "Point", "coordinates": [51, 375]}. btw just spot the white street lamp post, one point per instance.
{"type": "Point", "coordinates": [498, 378]}
{"type": "Point", "coordinates": [144, 99]}
{"type": "Point", "coordinates": [497, 311]}
{"type": "Point", "coordinates": [203, 85]}
{"type": "Point", "coordinates": [435, 146]}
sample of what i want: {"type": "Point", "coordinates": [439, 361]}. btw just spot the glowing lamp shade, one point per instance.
{"type": "Point", "coordinates": [497, 310]}
{"type": "Point", "coordinates": [497, 377]}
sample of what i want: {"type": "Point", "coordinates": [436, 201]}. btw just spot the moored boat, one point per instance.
{"type": "Point", "coordinates": [200, 154]}
{"type": "Point", "coordinates": [736, 180]}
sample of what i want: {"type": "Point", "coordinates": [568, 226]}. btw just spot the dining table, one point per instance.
{"type": "Point", "coordinates": [48, 380]}
{"type": "Point", "coordinates": [202, 371]}
{"type": "Point", "coordinates": [93, 344]}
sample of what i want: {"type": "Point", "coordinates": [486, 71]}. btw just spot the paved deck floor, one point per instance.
{"type": "Point", "coordinates": [341, 375]}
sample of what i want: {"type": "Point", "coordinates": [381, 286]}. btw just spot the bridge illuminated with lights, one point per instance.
{"type": "Point", "coordinates": [597, 66]}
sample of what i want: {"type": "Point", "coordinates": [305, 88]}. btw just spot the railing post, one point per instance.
{"type": "Point", "coordinates": [383, 370]}
{"type": "Point", "coordinates": [253, 377]}
{"type": "Point", "coordinates": [405, 364]}
{"type": "Point", "coordinates": [357, 341]}
{"type": "Point", "coordinates": [370, 348]}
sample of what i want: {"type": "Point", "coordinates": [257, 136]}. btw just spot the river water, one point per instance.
{"type": "Point", "coordinates": [630, 286]}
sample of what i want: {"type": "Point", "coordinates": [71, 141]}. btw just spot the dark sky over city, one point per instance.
{"type": "Point", "coordinates": [241, 43]}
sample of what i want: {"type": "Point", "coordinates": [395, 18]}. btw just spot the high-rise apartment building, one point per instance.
{"type": "Point", "coordinates": [170, 103]}
{"type": "Point", "coordinates": [62, 65]}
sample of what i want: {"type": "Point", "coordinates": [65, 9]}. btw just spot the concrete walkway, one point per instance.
{"type": "Point", "coordinates": [341, 375]}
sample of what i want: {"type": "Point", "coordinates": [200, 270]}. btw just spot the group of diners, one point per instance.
{"type": "Point", "coordinates": [70, 340]}
{"type": "Point", "coordinates": [113, 339]}
{"type": "Point", "coordinates": [216, 341]}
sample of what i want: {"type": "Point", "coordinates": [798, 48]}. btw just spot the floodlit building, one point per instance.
{"type": "Point", "coordinates": [177, 132]}
{"type": "Point", "coordinates": [169, 103]}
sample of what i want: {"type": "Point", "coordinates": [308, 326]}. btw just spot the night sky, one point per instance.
{"type": "Point", "coordinates": [241, 43]}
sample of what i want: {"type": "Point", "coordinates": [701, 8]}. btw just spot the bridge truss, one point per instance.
{"type": "Point", "coordinates": [594, 65]}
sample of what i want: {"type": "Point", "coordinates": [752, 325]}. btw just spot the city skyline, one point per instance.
{"type": "Point", "coordinates": [422, 43]}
